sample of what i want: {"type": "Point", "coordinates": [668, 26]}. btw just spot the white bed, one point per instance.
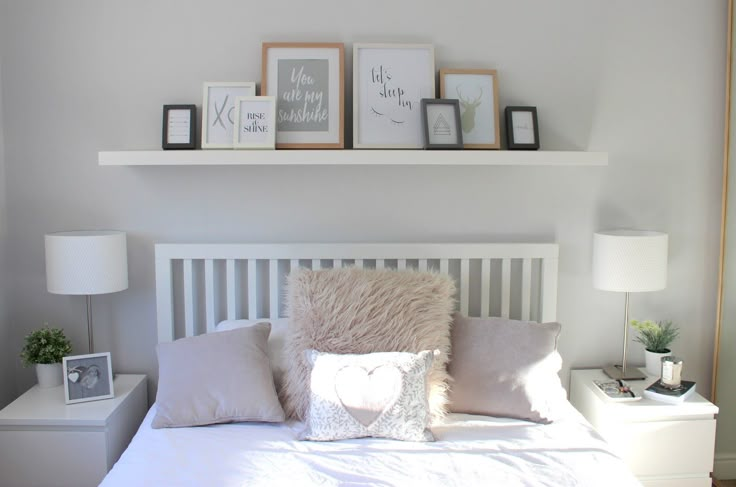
{"type": "Point", "coordinates": [199, 285]}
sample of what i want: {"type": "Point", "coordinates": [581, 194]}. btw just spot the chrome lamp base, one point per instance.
{"type": "Point", "coordinates": [617, 372]}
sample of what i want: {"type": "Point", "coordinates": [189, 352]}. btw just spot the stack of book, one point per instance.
{"type": "Point", "coordinates": [660, 392]}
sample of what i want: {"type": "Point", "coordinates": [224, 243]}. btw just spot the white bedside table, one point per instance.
{"type": "Point", "coordinates": [44, 442]}
{"type": "Point", "coordinates": [664, 444]}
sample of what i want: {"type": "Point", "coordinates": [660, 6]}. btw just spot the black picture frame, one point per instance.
{"type": "Point", "coordinates": [512, 136]}
{"type": "Point", "coordinates": [191, 143]}
{"type": "Point", "coordinates": [447, 127]}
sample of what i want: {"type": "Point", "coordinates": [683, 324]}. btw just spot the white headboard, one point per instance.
{"type": "Point", "coordinates": [198, 285]}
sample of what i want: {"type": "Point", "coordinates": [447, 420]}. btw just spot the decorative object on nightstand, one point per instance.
{"type": "Point", "coordinates": [663, 444]}
{"type": "Point", "coordinates": [86, 262]}
{"type": "Point", "coordinates": [656, 338]}
{"type": "Point", "coordinates": [629, 261]}
{"type": "Point", "coordinates": [45, 348]}
{"type": "Point", "coordinates": [88, 378]}
{"type": "Point", "coordinates": [45, 442]}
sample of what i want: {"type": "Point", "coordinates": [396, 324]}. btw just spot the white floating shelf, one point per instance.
{"type": "Point", "coordinates": [353, 157]}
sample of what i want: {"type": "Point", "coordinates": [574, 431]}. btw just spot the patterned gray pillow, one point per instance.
{"type": "Point", "coordinates": [382, 395]}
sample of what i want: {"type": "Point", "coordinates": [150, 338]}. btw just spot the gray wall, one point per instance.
{"type": "Point", "coordinates": [641, 80]}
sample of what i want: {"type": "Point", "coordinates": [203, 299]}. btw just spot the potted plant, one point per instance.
{"type": "Point", "coordinates": [656, 338]}
{"type": "Point", "coordinates": [45, 348]}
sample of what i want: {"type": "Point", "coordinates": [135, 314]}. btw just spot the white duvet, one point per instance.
{"type": "Point", "coordinates": [469, 451]}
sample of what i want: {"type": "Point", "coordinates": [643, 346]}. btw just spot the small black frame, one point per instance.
{"type": "Point", "coordinates": [455, 104]}
{"type": "Point", "coordinates": [511, 136]}
{"type": "Point", "coordinates": [192, 127]}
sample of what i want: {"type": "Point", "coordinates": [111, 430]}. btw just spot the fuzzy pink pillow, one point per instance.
{"type": "Point", "coordinates": [362, 311]}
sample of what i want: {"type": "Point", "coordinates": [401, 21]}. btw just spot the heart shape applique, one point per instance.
{"type": "Point", "coordinates": [74, 376]}
{"type": "Point", "coordinates": [367, 394]}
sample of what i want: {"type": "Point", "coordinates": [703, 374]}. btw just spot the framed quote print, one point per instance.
{"type": "Point", "coordinates": [389, 82]}
{"type": "Point", "coordinates": [218, 112]}
{"type": "Point", "coordinates": [477, 92]}
{"type": "Point", "coordinates": [307, 80]}
{"type": "Point", "coordinates": [179, 127]}
{"type": "Point", "coordinates": [441, 123]}
{"type": "Point", "coordinates": [255, 122]}
{"type": "Point", "coordinates": [522, 131]}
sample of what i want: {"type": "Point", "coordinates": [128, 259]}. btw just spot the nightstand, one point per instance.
{"type": "Point", "coordinates": [664, 444]}
{"type": "Point", "coordinates": [43, 441]}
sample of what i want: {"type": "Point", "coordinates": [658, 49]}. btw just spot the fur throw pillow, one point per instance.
{"type": "Point", "coordinates": [362, 311]}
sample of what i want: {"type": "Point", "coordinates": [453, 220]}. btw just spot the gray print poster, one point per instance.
{"type": "Point", "coordinates": [303, 90]}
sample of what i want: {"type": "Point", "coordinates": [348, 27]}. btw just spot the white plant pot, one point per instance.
{"type": "Point", "coordinates": [49, 375]}
{"type": "Point", "coordinates": [653, 362]}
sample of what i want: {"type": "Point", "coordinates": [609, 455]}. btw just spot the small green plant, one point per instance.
{"type": "Point", "coordinates": [656, 336]}
{"type": "Point", "coordinates": [45, 346]}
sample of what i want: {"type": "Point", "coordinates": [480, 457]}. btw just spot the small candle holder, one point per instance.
{"type": "Point", "coordinates": [671, 372]}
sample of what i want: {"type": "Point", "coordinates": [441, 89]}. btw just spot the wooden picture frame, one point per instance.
{"type": "Point", "coordinates": [441, 123]}
{"type": "Point", "coordinates": [179, 127]}
{"type": "Point", "coordinates": [522, 129]}
{"type": "Point", "coordinates": [87, 377]}
{"type": "Point", "coordinates": [477, 92]}
{"type": "Point", "coordinates": [308, 82]}
{"type": "Point", "coordinates": [218, 111]}
{"type": "Point", "coordinates": [255, 122]}
{"type": "Point", "coordinates": [389, 82]}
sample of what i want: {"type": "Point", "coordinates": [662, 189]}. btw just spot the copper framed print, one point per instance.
{"type": "Point", "coordinates": [477, 92]}
{"type": "Point", "coordinates": [307, 80]}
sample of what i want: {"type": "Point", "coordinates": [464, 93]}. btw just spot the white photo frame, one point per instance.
{"type": "Point", "coordinates": [255, 122]}
{"type": "Point", "coordinates": [218, 111]}
{"type": "Point", "coordinates": [389, 82]}
{"type": "Point", "coordinates": [87, 377]}
{"type": "Point", "coordinates": [308, 82]}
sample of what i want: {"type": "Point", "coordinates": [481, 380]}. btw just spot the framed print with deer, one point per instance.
{"type": "Point", "coordinates": [477, 92]}
{"type": "Point", "coordinates": [389, 82]}
{"type": "Point", "coordinates": [307, 80]}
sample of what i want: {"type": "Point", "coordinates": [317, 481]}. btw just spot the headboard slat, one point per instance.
{"type": "Point", "coordinates": [252, 290]}
{"type": "Point", "coordinates": [232, 289]}
{"type": "Point", "coordinates": [526, 288]}
{"type": "Point", "coordinates": [273, 286]}
{"type": "Point", "coordinates": [505, 288]}
{"type": "Point", "coordinates": [209, 294]}
{"type": "Point", "coordinates": [465, 286]}
{"type": "Point", "coordinates": [485, 288]}
{"type": "Point", "coordinates": [190, 301]}
{"type": "Point", "coordinates": [533, 283]}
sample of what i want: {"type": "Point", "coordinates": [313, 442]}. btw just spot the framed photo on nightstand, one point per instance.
{"type": "Point", "coordinates": [87, 378]}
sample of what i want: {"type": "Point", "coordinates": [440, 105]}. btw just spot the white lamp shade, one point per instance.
{"type": "Point", "coordinates": [86, 262]}
{"type": "Point", "coordinates": [629, 260]}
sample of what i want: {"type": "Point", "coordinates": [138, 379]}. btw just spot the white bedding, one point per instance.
{"type": "Point", "coordinates": [469, 451]}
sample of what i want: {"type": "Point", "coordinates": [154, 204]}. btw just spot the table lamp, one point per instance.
{"type": "Point", "coordinates": [88, 263]}
{"type": "Point", "coordinates": [629, 261]}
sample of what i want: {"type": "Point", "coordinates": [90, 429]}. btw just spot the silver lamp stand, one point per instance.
{"type": "Point", "coordinates": [621, 372]}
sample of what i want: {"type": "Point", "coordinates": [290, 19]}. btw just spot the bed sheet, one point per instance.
{"type": "Point", "coordinates": [470, 451]}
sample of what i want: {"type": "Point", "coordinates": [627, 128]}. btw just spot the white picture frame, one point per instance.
{"type": "Point", "coordinates": [389, 82]}
{"type": "Point", "coordinates": [87, 377]}
{"type": "Point", "coordinates": [255, 122]}
{"type": "Point", "coordinates": [218, 111]}
{"type": "Point", "coordinates": [307, 79]}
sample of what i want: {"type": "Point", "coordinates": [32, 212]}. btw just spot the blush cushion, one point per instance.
{"type": "Point", "coordinates": [216, 378]}
{"type": "Point", "coordinates": [507, 368]}
{"type": "Point", "coordinates": [382, 395]}
{"type": "Point", "coordinates": [360, 311]}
